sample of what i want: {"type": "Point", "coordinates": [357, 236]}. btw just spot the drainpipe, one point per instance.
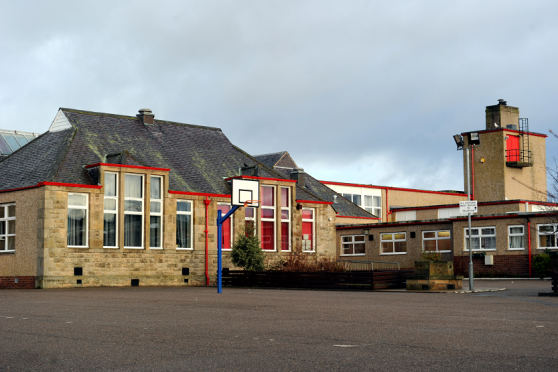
{"type": "Point", "coordinates": [529, 242]}
{"type": "Point", "coordinates": [207, 201]}
{"type": "Point", "coordinates": [387, 206]}
{"type": "Point", "coordinates": [473, 171]}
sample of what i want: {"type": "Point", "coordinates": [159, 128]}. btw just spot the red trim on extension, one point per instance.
{"type": "Point", "coordinates": [368, 218]}
{"type": "Point", "coordinates": [377, 225]}
{"type": "Point", "coordinates": [69, 185]}
{"type": "Point", "coordinates": [481, 204]}
{"type": "Point", "coordinates": [20, 188]}
{"type": "Point", "coordinates": [313, 201]}
{"type": "Point", "coordinates": [127, 166]}
{"type": "Point", "coordinates": [509, 130]}
{"type": "Point", "coordinates": [259, 178]}
{"type": "Point", "coordinates": [391, 188]}
{"type": "Point", "coordinates": [199, 194]}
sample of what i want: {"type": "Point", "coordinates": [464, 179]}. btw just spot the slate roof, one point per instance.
{"type": "Point", "coordinates": [281, 158]}
{"type": "Point", "coordinates": [199, 158]}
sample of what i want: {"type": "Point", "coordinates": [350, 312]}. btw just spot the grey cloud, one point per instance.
{"type": "Point", "coordinates": [358, 91]}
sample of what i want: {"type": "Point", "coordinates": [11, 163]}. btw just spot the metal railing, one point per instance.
{"type": "Point", "coordinates": [355, 265]}
{"type": "Point", "coordinates": [518, 156]}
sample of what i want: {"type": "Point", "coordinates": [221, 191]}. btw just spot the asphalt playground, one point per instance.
{"type": "Point", "coordinates": [197, 329]}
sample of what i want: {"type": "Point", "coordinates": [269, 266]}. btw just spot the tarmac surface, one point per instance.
{"type": "Point", "coordinates": [196, 329]}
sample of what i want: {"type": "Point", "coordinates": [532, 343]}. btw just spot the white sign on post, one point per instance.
{"type": "Point", "coordinates": [469, 206]}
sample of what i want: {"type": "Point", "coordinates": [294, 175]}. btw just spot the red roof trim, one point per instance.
{"type": "Point", "coordinates": [313, 201]}
{"type": "Point", "coordinates": [481, 204]}
{"type": "Point", "coordinates": [127, 166]}
{"type": "Point", "coordinates": [509, 130]}
{"type": "Point", "coordinates": [199, 194]}
{"type": "Point", "coordinates": [46, 183]}
{"type": "Point", "coordinates": [69, 185]}
{"type": "Point", "coordinates": [259, 178]}
{"type": "Point", "coordinates": [378, 225]}
{"type": "Point", "coordinates": [391, 188]}
{"type": "Point", "coordinates": [368, 218]}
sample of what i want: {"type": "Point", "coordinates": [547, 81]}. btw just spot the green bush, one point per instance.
{"type": "Point", "coordinates": [431, 256]}
{"type": "Point", "coordinates": [246, 251]}
{"type": "Point", "coordinates": [541, 264]}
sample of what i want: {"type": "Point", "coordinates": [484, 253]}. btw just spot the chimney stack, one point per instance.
{"type": "Point", "coordinates": [299, 176]}
{"type": "Point", "coordinates": [501, 116]}
{"type": "Point", "coordinates": [146, 116]}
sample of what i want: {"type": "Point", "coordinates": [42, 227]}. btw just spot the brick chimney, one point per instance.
{"type": "Point", "coordinates": [299, 176]}
{"type": "Point", "coordinates": [146, 116]}
{"type": "Point", "coordinates": [501, 116]}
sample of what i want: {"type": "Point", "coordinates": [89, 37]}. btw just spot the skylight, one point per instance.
{"type": "Point", "coordinates": [11, 141]}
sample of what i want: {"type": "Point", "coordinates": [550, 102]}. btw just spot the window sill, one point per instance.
{"type": "Point", "coordinates": [134, 248]}
{"type": "Point", "coordinates": [314, 251]}
{"type": "Point", "coordinates": [481, 250]}
{"type": "Point", "coordinates": [10, 252]}
{"type": "Point", "coordinates": [155, 249]}
{"type": "Point", "coordinates": [353, 255]}
{"type": "Point", "coordinates": [516, 249]}
{"type": "Point", "coordinates": [438, 251]}
{"type": "Point", "coordinates": [111, 247]}
{"type": "Point", "coordinates": [184, 249]}
{"type": "Point", "coordinates": [549, 248]}
{"type": "Point", "coordinates": [76, 246]}
{"type": "Point", "coordinates": [391, 254]}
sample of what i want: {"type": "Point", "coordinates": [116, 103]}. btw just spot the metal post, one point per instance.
{"type": "Point", "coordinates": [471, 280]}
{"type": "Point", "coordinates": [219, 250]}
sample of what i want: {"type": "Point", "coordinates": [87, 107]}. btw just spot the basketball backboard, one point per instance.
{"type": "Point", "coordinates": [245, 190]}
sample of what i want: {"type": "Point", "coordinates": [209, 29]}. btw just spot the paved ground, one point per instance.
{"type": "Point", "coordinates": [195, 329]}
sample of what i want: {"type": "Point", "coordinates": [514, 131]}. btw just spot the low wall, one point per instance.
{"type": "Point", "coordinates": [23, 282]}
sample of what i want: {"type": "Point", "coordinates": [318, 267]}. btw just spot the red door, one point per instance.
{"type": "Point", "coordinates": [512, 147]}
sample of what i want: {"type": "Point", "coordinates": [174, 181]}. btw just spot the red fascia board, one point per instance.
{"type": "Point", "coordinates": [259, 178]}
{"type": "Point", "coordinates": [69, 185]}
{"type": "Point", "coordinates": [368, 218]}
{"type": "Point", "coordinates": [199, 194]}
{"type": "Point", "coordinates": [127, 166]}
{"type": "Point", "coordinates": [481, 204]}
{"type": "Point", "coordinates": [500, 217]}
{"type": "Point", "coordinates": [40, 184]}
{"type": "Point", "coordinates": [391, 188]}
{"type": "Point", "coordinates": [313, 201]}
{"type": "Point", "coordinates": [20, 188]}
{"type": "Point", "coordinates": [378, 225]}
{"type": "Point", "coordinates": [508, 130]}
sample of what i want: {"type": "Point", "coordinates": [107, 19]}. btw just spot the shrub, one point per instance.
{"type": "Point", "coordinates": [541, 264]}
{"type": "Point", "coordinates": [246, 252]}
{"type": "Point", "coordinates": [305, 263]}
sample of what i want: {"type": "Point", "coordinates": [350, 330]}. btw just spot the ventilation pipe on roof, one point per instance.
{"type": "Point", "coordinates": [146, 116]}
{"type": "Point", "coordinates": [299, 176]}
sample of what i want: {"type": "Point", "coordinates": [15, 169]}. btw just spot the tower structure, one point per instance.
{"type": "Point", "coordinates": [510, 162]}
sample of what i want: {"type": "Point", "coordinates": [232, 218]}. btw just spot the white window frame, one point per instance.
{"type": "Point", "coordinates": [373, 208]}
{"type": "Point", "coordinates": [191, 214]}
{"type": "Point", "coordinates": [274, 219]}
{"type": "Point", "coordinates": [115, 212]}
{"type": "Point", "coordinates": [6, 220]}
{"type": "Point", "coordinates": [86, 208]}
{"type": "Point", "coordinates": [160, 214]}
{"type": "Point", "coordinates": [288, 209]}
{"type": "Point", "coordinates": [393, 241]}
{"type": "Point", "coordinates": [516, 234]}
{"type": "Point", "coordinates": [353, 242]}
{"type": "Point", "coordinates": [553, 233]}
{"type": "Point", "coordinates": [480, 236]}
{"type": "Point", "coordinates": [142, 213]}
{"type": "Point", "coordinates": [232, 225]}
{"type": "Point", "coordinates": [436, 238]}
{"type": "Point", "coordinates": [313, 220]}
{"type": "Point", "coordinates": [253, 219]}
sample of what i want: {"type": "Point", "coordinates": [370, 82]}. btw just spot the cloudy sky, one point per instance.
{"type": "Point", "coordinates": [356, 91]}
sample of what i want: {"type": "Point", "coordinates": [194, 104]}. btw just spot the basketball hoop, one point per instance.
{"type": "Point", "coordinates": [250, 202]}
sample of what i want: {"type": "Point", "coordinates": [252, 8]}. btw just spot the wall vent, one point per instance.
{"type": "Point", "coordinates": [78, 271]}
{"type": "Point", "coordinates": [135, 282]}
{"type": "Point", "coordinates": [185, 271]}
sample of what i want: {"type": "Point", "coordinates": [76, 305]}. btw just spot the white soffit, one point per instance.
{"type": "Point", "coordinates": [60, 123]}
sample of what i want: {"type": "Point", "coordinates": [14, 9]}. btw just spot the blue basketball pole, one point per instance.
{"type": "Point", "coordinates": [220, 221]}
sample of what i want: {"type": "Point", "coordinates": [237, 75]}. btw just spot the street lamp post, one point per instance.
{"type": "Point", "coordinates": [472, 141]}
